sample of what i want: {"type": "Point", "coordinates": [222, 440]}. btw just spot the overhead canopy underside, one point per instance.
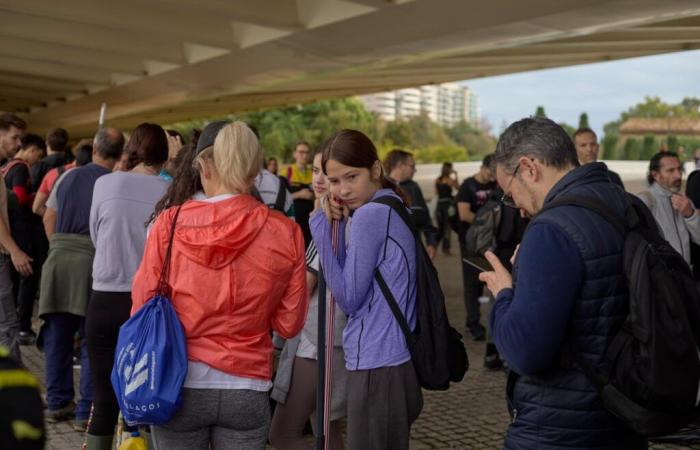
{"type": "Point", "coordinates": [174, 60]}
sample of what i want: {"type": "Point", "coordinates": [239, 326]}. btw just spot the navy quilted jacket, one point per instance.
{"type": "Point", "coordinates": [574, 303]}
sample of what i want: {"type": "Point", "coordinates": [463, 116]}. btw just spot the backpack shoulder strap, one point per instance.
{"type": "Point", "coordinates": [256, 194]}
{"type": "Point", "coordinates": [398, 206]}
{"type": "Point", "coordinates": [8, 166]}
{"type": "Point", "coordinates": [394, 306]}
{"type": "Point", "coordinates": [597, 207]}
{"type": "Point", "coordinates": [281, 196]}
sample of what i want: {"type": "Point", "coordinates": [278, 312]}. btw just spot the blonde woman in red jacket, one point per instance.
{"type": "Point", "coordinates": [237, 273]}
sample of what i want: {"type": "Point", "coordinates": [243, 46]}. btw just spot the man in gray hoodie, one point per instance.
{"type": "Point", "coordinates": [675, 213]}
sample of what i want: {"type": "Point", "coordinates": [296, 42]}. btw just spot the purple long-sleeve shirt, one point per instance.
{"type": "Point", "coordinates": [378, 238]}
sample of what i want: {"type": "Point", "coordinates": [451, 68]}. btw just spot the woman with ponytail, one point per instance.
{"type": "Point", "coordinates": [384, 396]}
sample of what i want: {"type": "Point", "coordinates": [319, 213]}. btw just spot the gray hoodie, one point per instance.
{"type": "Point", "coordinates": [677, 230]}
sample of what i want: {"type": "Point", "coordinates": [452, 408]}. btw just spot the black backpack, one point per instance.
{"type": "Point", "coordinates": [651, 371]}
{"type": "Point", "coordinates": [482, 234]}
{"type": "Point", "coordinates": [280, 200]}
{"type": "Point", "coordinates": [437, 351]}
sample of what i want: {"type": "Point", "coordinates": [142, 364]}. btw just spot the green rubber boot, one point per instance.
{"type": "Point", "coordinates": [99, 442]}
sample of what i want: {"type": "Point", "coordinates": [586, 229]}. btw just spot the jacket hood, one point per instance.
{"type": "Point", "coordinates": [215, 234]}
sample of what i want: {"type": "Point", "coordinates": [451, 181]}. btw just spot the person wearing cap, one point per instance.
{"type": "Point", "coordinates": [122, 202]}
{"type": "Point", "coordinates": [237, 273]}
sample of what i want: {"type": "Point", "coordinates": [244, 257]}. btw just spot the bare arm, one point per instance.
{"type": "Point", "coordinates": [39, 205]}
{"type": "Point", "coordinates": [465, 212]}
{"type": "Point", "coordinates": [21, 261]}
{"type": "Point", "coordinates": [50, 222]}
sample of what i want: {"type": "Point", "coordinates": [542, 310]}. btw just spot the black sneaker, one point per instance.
{"type": "Point", "coordinates": [61, 414]}
{"type": "Point", "coordinates": [26, 337]}
{"type": "Point", "coordinates": [477, 331]}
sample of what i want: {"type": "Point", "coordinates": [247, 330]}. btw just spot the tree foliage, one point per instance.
{"type": "Point", "coordinates": [583, 121]}
{"type": "Point", "coordinates": [281, 128]}
{"type": "Point", "coordinates": [651, 107]}
{"type": "Point", "coordinates": [539, 112]}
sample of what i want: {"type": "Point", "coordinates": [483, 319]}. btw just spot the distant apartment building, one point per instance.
{"type": "Point", "coordinates": [446, 103]}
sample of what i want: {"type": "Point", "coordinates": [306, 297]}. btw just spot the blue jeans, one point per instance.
{"type": "Point", "coordinates": [58, 332]}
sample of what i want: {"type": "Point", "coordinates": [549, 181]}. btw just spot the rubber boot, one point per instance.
{"type": "Point", "coordinates": [149, 439]}
{"type": "Point", "coordinates": [99, 442]}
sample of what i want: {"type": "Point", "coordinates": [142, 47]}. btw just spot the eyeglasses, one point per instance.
{"type": "Point", "coordinates": [507, 199]}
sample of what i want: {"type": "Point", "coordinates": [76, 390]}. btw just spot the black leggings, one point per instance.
{"type": "Point", "coordinates": [106, 312]}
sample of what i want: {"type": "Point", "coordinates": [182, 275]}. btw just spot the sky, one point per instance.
{"type": "Point", "coordinates": [603, 90]}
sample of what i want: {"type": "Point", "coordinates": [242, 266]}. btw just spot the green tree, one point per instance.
{"type": "Point", "coordinates": [398, 133]}
{"type": "Point", "coordinates": [583, 121]}
{"type": "Point", "coordinates": [632, 149]}
{"type": "Point", "coordinates": [539, 112]}
{"type": "Point", "coordinates": [568, 128]}
{"type": "Point", "coordinates": [609, 143]}
{"type": "Point", "coordinates": [648, 148]}
{"type": "Point", "coordinates": [475, 140]}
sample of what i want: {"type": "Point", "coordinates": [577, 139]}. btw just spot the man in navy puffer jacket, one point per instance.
{"type": "Point", "coordinates": [567, 294]}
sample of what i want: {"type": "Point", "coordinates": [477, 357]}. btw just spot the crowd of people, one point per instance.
{"type": "Point", "coordinates": [86, 231]}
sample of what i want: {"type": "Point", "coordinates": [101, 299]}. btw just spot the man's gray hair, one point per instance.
{"type": "Point", "coordinates": [539, 138]}
{"type": "Point", "coordinates": [109, 143]}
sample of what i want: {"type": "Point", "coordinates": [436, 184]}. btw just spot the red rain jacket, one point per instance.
{"type": "Point", "coordinates": [237, 273]}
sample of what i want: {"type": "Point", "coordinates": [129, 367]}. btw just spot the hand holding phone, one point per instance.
{"type": "Point", "coordinates": [479, 263]}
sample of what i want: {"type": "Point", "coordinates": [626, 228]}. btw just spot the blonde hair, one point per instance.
{"type": "Point", "coordinates": [237, 156]}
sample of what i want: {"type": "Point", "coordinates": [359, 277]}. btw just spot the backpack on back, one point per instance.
{"type": "Point", "coordinates": [650, 376]}
{"type": "Point", "coordinates": [436, 348]}
{"type": "Point", "coordinates": [481, 235]}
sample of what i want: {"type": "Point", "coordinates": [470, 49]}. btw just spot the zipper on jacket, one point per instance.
{"type": "Point", "coordinates": [359, 340]}
{"type": "Point", "coordinates": [514, 412]}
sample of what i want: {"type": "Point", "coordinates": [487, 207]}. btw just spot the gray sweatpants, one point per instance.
{"type": "Point", "coordinates": [9, 321]}
{"type": "Point", "coordinates": [382, 405]}
{"type": "Point", "coordinates": [223, 418]}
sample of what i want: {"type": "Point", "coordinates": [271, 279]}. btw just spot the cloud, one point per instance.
{"type": "Point", "coordinates": [603, 90]}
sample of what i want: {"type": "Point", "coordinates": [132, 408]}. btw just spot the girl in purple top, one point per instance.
{"type": "Point", "coordinates": [384, 396]}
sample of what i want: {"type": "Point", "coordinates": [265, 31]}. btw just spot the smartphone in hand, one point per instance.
{"type": "Point", "coordinates": [479, 263]}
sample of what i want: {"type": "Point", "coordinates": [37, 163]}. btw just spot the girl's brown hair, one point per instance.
{"type": "Point", "coordinates": [186, 180]}
{"type": "Point", "coordinates": [148, 144]}
{"type": "Point", "coordinates": [353, 148]}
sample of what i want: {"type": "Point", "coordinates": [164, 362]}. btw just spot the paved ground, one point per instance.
{"type": "Point", "coordinates": [470, 415]}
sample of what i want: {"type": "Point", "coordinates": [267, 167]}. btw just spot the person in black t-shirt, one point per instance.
{"type": "Point", "coordinates": [400, 166]}
{"type": "Point", "coordinates": [472, 195]}
{"type": "Point", "coordinates": [22, 225]}
{"type": "Point", "coordinates": [56, 145]}
{"type": "Point", "coordinates": [444, 185]}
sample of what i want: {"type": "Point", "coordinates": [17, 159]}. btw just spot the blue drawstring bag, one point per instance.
{"type": "Point", "coordinates": [150, 361]}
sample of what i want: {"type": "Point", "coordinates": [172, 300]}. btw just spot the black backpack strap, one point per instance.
{"type": "Point", "coordinates": [281, 196]}
{"type": "Point", "coordinates": [256, 194]}
{"type": "Point", "coordinates": [603, 210]}
{"type": "Point", "coordinates": [400, 209]}
{"type": "Point", "coordinates": [395, 310]}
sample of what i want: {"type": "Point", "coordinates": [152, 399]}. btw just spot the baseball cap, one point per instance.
{"type": "Point", "coordinates": [206, 139]}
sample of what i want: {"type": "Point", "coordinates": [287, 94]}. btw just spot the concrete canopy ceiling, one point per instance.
{"type": "Point", "coordinates": [174, 60]}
